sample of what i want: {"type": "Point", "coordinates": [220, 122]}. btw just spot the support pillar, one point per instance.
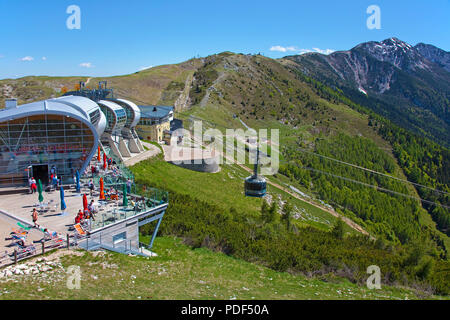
{"type": "Point", "coordinates": [123, 148]}
{"type": "Point", "coordinates": [155, 232]}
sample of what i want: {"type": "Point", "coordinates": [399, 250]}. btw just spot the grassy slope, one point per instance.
{"type": "Point", "coordinates": [248, 86]}
{"type": "Point", "coordinates": [182, 273]}
{"type": "Point", "coordinates": [225, 189]}
{"type": "Point", "coordinates": [266, 95]}
{"type": "Point", "coordinates": [158, 85]}
{"type": "Point", "coordinates": [30, 89]}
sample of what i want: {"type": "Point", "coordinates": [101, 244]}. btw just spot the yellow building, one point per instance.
{"type": "Point", "coordinates": [154, 121]}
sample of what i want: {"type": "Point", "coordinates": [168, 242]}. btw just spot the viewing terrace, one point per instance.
{"type": "Point", "coordinates": [123, 208]}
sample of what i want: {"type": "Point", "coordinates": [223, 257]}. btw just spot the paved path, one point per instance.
{"type": "Point", "coordinates": [7, 224]}
{"type": "Point", "coordinates": [21, 206]}
{"type": "Point", "coordinates": [150, 153]}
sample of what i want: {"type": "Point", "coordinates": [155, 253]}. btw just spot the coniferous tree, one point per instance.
{"type": "Point", "coordinates": [272, 214]}
{"type": "Point", "coordinates": [338, 229]}
{"type": "Point", "coordinates": [287, 215]}
{"type": "Point", "coordinates": [264, 210]}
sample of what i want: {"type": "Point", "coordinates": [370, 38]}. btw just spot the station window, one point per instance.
{"type": "Point", "coordinates": [119, 237]}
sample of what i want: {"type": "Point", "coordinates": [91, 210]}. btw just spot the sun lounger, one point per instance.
{"type": "Point", "coordinates": [79, 229]}
{"type": "Point", "coordinates": [24, 227]}
{"type": "Point", "coordinates": [19, 232]}
{"type": "Point", "coordinates": [18, 237]}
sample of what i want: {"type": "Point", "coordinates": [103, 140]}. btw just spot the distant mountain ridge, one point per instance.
{"type": "Point", "coordinates": [409, 85]}
{"type": "Point", "coordinates": [432, 53]}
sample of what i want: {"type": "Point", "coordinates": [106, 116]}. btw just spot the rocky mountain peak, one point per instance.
{"type": "Point", "coordinates": [395, 51]}
{"type": "Point", "coordinates": [434, 54]}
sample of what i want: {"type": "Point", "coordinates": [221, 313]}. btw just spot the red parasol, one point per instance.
{"type": "Point", "coordinates": [104, 161]}
{"type": "Point", "coordinates": [98, 156]}
{"type": "Point", "coordinates": [85, 202]}
{"type": "Point", "coordinates": [102, 191]}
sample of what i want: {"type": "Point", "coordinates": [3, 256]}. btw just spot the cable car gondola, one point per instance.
{"type": "Point", "coordinates": [255, 185]}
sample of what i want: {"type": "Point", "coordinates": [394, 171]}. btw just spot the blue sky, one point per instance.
{"type": "Point", "coordinates": [121, 37]}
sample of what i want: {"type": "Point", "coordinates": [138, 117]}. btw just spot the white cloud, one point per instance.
{"type": "Point", "coordinates": [283, 49]}
{"type": "Point", "coordinates": [325, 51]}
{"type": "Point", "coordinates": [144, 68]}
{"type": "Point", "coordinates": [322, 51]}
{"type": "Point", "coordinates": [27, 58]}
{"type": "Point", "coordinates": [86, 65]}
{"type": "Point", "coordinates": [44, 58]}
{"type": "Point", "coordinates": [300, 51]}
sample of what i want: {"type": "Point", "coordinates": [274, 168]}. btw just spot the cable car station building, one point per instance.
{"type": "Point", "coordinates": [63, 134]}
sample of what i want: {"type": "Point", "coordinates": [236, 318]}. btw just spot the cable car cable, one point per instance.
{"type": "Point", "coordinates": [376, 187]}
{"type": "Point", "coordinates": [372, 171]}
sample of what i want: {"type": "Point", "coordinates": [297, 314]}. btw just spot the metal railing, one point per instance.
{"type": "Point", "coordinates": [123, 174]}
{"type": "Point", "coordinates": [30, 251]}
{"type": "Point", "coordinates": [140, 200]}
{"type": "Point", "coordinates": [124, 247]}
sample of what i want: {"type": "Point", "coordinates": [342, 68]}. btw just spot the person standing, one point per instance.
{"type": "Point", "coordinates": [129, 183]}
{"type": "Point", "coordinates": [55, 181]}
{"type": "Point", "coordinates": [33, 185]}
{"type": "Point", "coordinates": [91, 187]}
{"type": "Point", "coordinates": [91, 209]}
{"type": "Point", "coordinates": [34, 216]}
{"type": "Point", "coordinates": [30, 183]}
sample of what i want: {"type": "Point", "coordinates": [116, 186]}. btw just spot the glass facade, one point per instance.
{"type": "Point", "coordinates": [121, 117]}
{"type": "Point", "coordinates": [43, 140]}
{"type": "Point", "coordinates": [115, 119]}
{"type": "Point", "coordinates": [147, 121]}
{"type": "Point", "coordinates": [110, 118]}
{"type": "Point", "coordinates": [129, 113]}
{"type": "Point", "coordinates": [95, 117]}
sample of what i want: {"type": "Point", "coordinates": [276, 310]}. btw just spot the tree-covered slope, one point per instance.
{"type": "Point", "coordinates": [265, 94]}
{"type": "Point", "coordinates": [405, 84]}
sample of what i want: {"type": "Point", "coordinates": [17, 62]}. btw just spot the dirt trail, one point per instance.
{"type": "Point", "coordinates": [183, 100]}
{"type": "Point", "coordinates": [348, 221]}
{"type": "Point", "coordinates": [211, 88]}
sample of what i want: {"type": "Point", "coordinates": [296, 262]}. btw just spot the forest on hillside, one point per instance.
{"type": "Point", "coordinates": [422, 160]}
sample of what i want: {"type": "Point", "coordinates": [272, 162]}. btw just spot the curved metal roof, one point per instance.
{"type": "Point", "coordinates": [133, 107]}
{"type": "Point", "coordinates": [115, 109]}
{"type": "Point", "coordinates": [53, 106]}
{"type": "Point", "coordinates": [157, 112]}
{"type": "Point", "coordinates": [75, 108]}
{"type": "Point", "coordinates": [110, 105]}
{"type": "Point", "coordinates": [102, 123]}
{"type": "Point", "coordinates": [83, 104]}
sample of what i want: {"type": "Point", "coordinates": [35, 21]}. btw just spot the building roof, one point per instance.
{"type": "Point", "coordinates": [155, 111]}
{"type": "Point", "coordinates": [77, 107]}
{"type": "Point", "coordinates": [136, 112]}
